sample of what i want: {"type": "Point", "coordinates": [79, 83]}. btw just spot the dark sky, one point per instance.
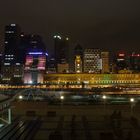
{"type": "Point", "coordinates": [107, 24]}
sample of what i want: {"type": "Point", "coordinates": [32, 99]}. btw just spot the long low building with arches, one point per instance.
{"type": "Point", "coordinates": [92, 79]}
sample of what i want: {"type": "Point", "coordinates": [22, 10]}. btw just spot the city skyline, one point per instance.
{"type": "Point", "coordinates": [72, 44]}
{"type": "Point", "coordinates": [109, 25]}
{"type": "Point", "coordinates": [70, 69]}
{"type": "Point", "coordinates": [25, 59]}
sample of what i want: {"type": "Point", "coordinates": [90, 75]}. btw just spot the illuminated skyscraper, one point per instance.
{"type": "Point", "coordinates": [92, 60]}
{"type": "Point", "coordinates": [12, 38]}
{"type": "Point", "coordinates": [29, 43]}
{"type": "Point", "coordinates": [35, 67]}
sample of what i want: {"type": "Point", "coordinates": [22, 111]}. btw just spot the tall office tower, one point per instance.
{"type": "Point", "coordinates": [28, 43]}
{"type": "Point", "coordinates": [105, 62]}
{"type": "Point", "coordinates": [37, 44]}
{"type": "Point", "coordinates": [12, 37]}
{"type": "Point", "coordinates": [24, 45]}
{"type": "Point", "coordinates": [78, 64]}
{"type": "Point", "coordinates": [134, 62]}
{"type": "Point", "coordinates": [121, 62]}
{"type": "Point", "coordinates": [35, 67]}
{"type": "Point", "coordinates": [92, 61]}
{"type": "Point", "coordinates": [61, 51]}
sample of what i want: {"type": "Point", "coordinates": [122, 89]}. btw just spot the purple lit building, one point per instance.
{"type": "Point", "coordinates": [35, 67]}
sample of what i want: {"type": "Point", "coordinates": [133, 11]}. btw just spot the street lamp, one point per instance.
{"type": "Point", "coordinates": [132, 102]}
{"type": "Point", "coordinates": [61, 98]}
{"type": "Point", "coordinates": [20, 97]}
{"type": "Point", "coordinates": [104, 98]}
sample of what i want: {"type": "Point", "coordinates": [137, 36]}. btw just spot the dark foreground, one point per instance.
{"type": "Point", "coordinates": [40, 121]}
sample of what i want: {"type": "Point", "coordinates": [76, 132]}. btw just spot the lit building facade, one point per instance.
{"type": "Point", "coordinates": [12, 38]}
{"type": "Point", "coordinates": [78, 64]}
{"type": "Point", "coordinates": [121, 61]}
{"type": "Point", "coordinates": [105, 62]}
{"type": "Point", "coordinates": [29, 43]}
{"type": "Point", "coordinates": [92, 61]}
{"type": "Point", "coordinates": [35, 67]}
{"type": "Point", "coordinates": [78, 59]}
{"type": "Point", "coordinates": [11, 43]}
{"type": "Point", "coordinates": [93, 80]}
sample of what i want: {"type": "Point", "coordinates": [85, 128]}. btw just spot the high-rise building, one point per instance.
{"type": "Point", "coordinates": [134, 62]}
{"type": "Point", "coordinates": [12, 38]}
{"type": "Point", "coordinates": [105, 62]}
{"type": "Point", "coordinates": [35, 67]}
{"type": "Point", "coordinates": [51, 65]}
{"type": "Point", "coordinates": [29, 43]}
{"type": "Point", "coordinates": [36, 44]}
{"type": "Point", "coordinates": [17, 45]}
{"type": "Point", "coordinates": [92, 60]}
{"type": "Point", "coordinates": [121, 61]}
{"type": "Point", "coordinates": [23, 47]}
{"type": "Point", "coordinates": [61, 50]}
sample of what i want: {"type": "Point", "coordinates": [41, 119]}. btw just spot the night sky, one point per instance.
{"type": "Point", "coordinates": [107, 24]}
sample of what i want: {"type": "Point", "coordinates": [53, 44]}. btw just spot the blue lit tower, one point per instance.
{"type": "Point", "coordinates": [29, 43]}
{"type": "Point", "coordinates": [35, 61]}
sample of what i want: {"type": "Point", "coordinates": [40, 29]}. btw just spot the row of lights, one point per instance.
{"type": "Point", "coordinates": [131, 99]}
{"type": "Point", "coordinates": [62, 98]}
{"type": "Point", "coordinates": [21, 97]}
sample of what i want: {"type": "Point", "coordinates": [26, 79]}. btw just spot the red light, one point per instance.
{"type": "Point", "coordinates": [135, 55]}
